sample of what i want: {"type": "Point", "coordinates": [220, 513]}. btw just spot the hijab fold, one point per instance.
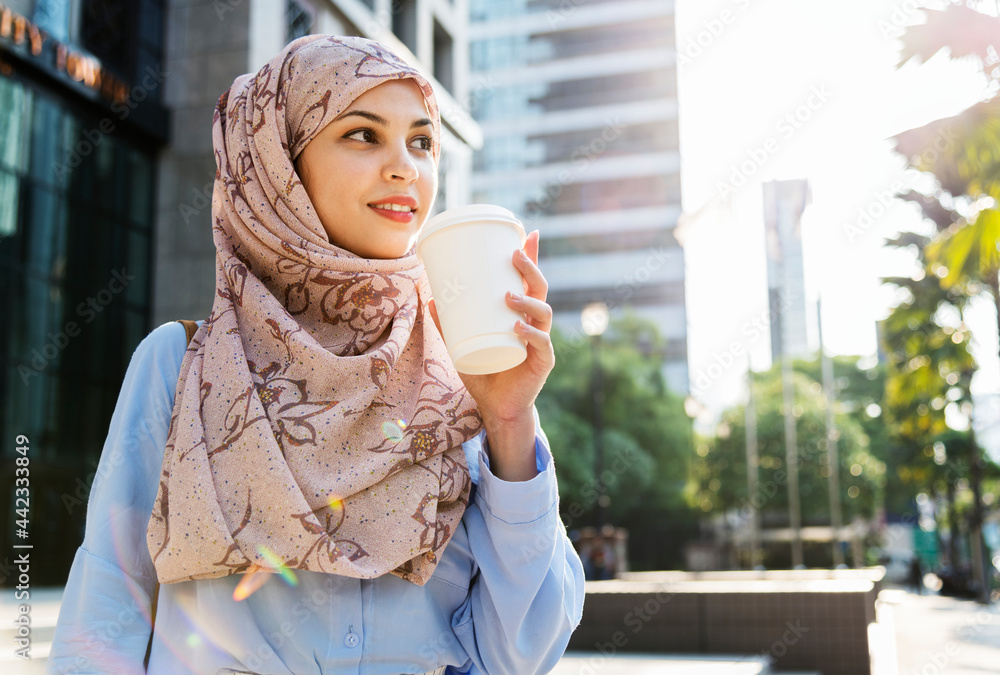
{"type": "Point", "coordinates": [318, 420]}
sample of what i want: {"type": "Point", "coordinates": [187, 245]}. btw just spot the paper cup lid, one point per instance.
{"type": "Point", "coordinates": [464, 214]}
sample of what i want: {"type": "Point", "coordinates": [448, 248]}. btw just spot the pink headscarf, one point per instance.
{"type": "Point", "coordinates": [318, 420]}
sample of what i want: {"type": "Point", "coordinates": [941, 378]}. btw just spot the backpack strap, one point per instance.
{"type": "Point", "coordinates": [190, 326]}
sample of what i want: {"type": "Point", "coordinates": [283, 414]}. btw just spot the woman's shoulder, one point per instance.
{"type": "Point", "coordinates": [158, 356]}
{"type": "Point", "coordinates": [165, 340]}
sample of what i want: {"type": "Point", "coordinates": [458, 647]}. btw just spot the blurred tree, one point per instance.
{"type": "Point", "coordinates": [963, 155]}
{"type": "Point", "coordinates": [962, 152]}
{"type": "Point", "coordinates": [647, 436]}
{"type": "Point", "coordinates": [719, 480]}
{"type": "Point", "coordinates": [929, 368]}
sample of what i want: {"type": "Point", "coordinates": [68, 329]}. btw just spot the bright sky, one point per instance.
{"type": "Point", "coordinates": [833, 64]}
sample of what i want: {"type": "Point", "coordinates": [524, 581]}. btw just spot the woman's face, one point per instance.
{"type": "Point", "coordinates": [371, 173]}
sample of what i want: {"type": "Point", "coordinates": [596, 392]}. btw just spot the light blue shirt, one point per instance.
{"type": "Point", "coordinates": [504, 598]}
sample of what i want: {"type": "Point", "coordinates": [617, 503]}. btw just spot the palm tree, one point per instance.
{"type": "Point", "coordinates": [963, 153]}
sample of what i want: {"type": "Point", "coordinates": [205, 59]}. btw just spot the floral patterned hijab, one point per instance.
{"type": "Point", "coordinates": [318, 421]}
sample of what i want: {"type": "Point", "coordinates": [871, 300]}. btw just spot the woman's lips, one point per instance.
{"type": "Point", "coordinates": [395, 216]}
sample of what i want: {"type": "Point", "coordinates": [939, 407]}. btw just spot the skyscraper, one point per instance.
{"type": "Point", "coordinates": [578, 107]}
{"type": "Point", "coordinates": [784, 202]}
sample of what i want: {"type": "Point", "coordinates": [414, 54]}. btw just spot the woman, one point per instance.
{"type": "Point", "coordinates": [311, 482]}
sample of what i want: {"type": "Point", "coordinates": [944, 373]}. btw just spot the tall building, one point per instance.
{"type": "Point", "coordinates": [784, 202]}
{"type": "Point", "coordinates": [106, 175]}
{"type": "Point", "coordinates": [82, 120]}
{"type": "Point", "coordinates": [578, 108]}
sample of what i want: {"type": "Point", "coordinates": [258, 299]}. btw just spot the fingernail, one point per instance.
{"type": "Point", "coordinates": [524, 256]}
{"type": "Point", "coordinates": [516, 297]}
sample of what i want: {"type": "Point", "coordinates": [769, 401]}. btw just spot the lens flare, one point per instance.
{"type": "Point", "coordinates": [279, 565]}
{"type": "Point", "coordinates": [252, 581]}
{"type": "Point", "coordinates": [249, 584]}
{"type": "Point", "coordinates": [124, 549]}
{"type": "Point", "coordinates": [393, 429]}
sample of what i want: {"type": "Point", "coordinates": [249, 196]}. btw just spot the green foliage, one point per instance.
{"type": "Point", "coordinates": [925, 337]}
{"type": "Point", "coordinates": [719, 478]}
{"type": "Point", "coordinates": [647, 437]}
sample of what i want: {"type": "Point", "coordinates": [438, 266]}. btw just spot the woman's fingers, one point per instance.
{"type": "Point", "coordinates": [538, 311]}
{"type": "Point", "coordinates": [535, 284]}
{"type": "Point", "coordinates": [539, 339]}
{"type": "Point", "coordinates": [531, 246]}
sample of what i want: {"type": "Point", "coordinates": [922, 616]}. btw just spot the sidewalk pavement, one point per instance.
{"type": "Point", "coordinates": [936, 635]}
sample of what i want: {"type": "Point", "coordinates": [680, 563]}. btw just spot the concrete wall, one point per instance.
{"type": "Point", "coordinates": [208, 45]}
{"type": "Point", "coordinates": [819, 625]}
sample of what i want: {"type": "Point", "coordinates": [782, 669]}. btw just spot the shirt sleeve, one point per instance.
{"type": "Point", "coordinates": [104, 620]}
{"type": "Point", "coordinates": [527, 596]}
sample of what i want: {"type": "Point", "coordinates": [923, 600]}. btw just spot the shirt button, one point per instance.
{"type": "Point", "coordinates": [352, 640]}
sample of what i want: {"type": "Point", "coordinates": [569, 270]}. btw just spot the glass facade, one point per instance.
{"type": "Point", "coordinates": [76, 231]}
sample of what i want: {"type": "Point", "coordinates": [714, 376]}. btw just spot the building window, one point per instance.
{"type": "Point", "coordinates": [299, 19]}
{"type": "Point", "coordinates": [127, 36]}
{"type": "Point", "coordinates": [76, 213]}
{"type": "Point", "coordinates": [444, 63]}
{"type": "Point", "coordinates": [108, 30]}
{"type": "Point", "coordinates": [404, 22]}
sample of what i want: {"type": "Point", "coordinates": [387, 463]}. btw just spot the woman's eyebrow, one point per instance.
{"type": "Point", "coordinates": [381, 121]}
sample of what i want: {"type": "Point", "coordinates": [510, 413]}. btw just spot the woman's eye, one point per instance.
{"type": "Point", "coordinates": [423, 142]}
{"type": "Point", "coordinates": [364, 135]}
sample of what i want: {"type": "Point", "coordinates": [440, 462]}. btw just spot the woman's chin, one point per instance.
{"type": "Point", "coordinates": [391, 251]}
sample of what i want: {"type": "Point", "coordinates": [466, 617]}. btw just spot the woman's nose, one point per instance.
{"type": "Point", "coordinates": [400, 165]}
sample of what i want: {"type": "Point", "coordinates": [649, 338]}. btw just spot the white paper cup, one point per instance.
{"type": "Point", "coordinates": [467, 253]}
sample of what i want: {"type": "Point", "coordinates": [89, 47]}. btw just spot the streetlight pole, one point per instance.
{"type": "Point", "coordinates": [791, 458]}
{"type": "Point", "coordinates": [594, 319]}
{"type": "Point", "coordinates": [598, 401]}
{"type": "Point", "coordinates": [836, 520]}
{"type": "Point", "coordinates": [753, 464]}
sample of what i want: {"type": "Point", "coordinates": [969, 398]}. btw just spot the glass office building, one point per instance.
{"type": "Point", "coordinates": [80, 127]}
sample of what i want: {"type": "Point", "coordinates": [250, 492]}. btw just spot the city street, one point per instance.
{"type": "Point", "coordinates": [937, 634]}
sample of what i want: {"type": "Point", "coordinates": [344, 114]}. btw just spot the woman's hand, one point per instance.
{"type": "Point", "coordinates": [506, 399]}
